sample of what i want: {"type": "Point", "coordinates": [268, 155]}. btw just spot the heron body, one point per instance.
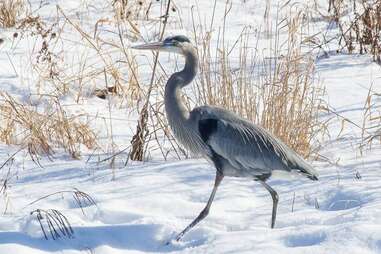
{"type": "Point", "coordinates": [236, 147]}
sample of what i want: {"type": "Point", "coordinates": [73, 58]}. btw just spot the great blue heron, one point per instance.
{"type": "Point", "coordinates": [237, 147]}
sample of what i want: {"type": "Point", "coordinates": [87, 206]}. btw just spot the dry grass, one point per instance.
{"type": "Point", "coordinates": [42, 131]}
{"type": "Point", "coordinates": [53, 223]}
{"type": "Point", "coordinates": [131, 14]}
{"type": "Point", "coordinates": [359, 23]}
{"type": "Point", "coordinates": [278, 92]}
{"type": "Point", "coordinates": [85, 75]}
{"type": "Point", "coordinates": [106, 69]}
{"type": "Point", "coordinates": [82, 199]}
{"type": "Point", "coordinates": [10, 10]}
{"type": "Point", "coordinates": [131, 9]}
{"type": "Point", "coordinates": [112, 75]}
{"type": "Point", "coordinates": [371, 127]}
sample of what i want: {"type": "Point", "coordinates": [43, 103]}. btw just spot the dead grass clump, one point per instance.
{"type": "Point", "coordinates": [46, 61]}
{"type": "Point", "coordinates": [278, 92]}
{"type": "Point", "coordinates": [10, 11]}
{"type": "Point", "coordinates": [41, 132]}
{"type": "Point", "coordinates": [290, 96]}
{"type": "Point", "coordinates": [360, 28]}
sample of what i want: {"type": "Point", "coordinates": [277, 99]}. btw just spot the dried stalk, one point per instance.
{"type": "Point", "coordinates": [139, 139]}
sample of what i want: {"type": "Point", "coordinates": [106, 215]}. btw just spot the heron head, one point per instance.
{"type": "Point", "coordinates": [175, 44]}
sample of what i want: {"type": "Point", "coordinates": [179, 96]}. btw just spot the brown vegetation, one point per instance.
{"type": "Point", "coordinates": [10, 10]}
{"type": "Point", "coordinates": [42, 131]}
{"type": "Point", "coordinates": [361, 32]}
{"type": "Point", "coordinates": [278, 92]}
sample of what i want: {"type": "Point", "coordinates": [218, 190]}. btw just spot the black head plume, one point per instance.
{"type": "Point", "coordinates": [178, 38]}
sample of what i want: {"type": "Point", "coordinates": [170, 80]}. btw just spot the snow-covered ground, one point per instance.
{"type": "Point", "coordinates": [142, 205]}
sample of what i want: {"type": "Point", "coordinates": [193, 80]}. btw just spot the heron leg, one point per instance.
{"type": "Point", "coordinates": [205, 211]}
{"type": "Point", "coordinates": [274, 196]}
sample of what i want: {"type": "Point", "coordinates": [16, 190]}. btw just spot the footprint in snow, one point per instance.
{"type": "Point", "coordinates": [302, 240]}
{"type": "Point", "coordinates": [341, 200]}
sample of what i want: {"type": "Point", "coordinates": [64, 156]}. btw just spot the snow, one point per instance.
{"type": "Point", "coordinates": [142, 205]}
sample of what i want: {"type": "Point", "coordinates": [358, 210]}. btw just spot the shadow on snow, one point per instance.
{"type": "Point", "coordinates": [140, 237]}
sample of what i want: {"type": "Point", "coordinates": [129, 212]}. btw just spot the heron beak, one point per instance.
{"type": "Point", "coordinates": [150, 46]}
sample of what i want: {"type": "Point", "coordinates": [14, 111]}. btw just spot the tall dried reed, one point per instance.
{"type": "Point", "coordinates": [371, 127]}
{"type": "Point", "coordinates": [277, 92]}
{"type": "Point", "coordinates": [359, 23]}
{"type": "Point", "coordinates": [10, 11]}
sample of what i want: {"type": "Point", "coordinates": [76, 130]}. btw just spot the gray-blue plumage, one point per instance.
{"type": "Point", "coordinates": [249, 149]}
{"type": "Point", "coordinates": [237, 147]}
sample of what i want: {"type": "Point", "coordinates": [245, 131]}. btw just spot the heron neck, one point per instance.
{"type": "Point", "coordinates": [191, 66]}
{"type": "Point", "coordinates": [174, 105]}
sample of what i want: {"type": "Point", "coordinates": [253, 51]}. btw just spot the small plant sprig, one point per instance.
{"type": "Point", "coordinates": [81, 198]}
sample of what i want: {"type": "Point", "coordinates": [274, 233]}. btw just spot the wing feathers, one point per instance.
{"type": "Point", "coordinates": [245, 145]}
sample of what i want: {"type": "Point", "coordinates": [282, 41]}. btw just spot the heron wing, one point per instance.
{"type": "Point", "coordinates": [247, 146]}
